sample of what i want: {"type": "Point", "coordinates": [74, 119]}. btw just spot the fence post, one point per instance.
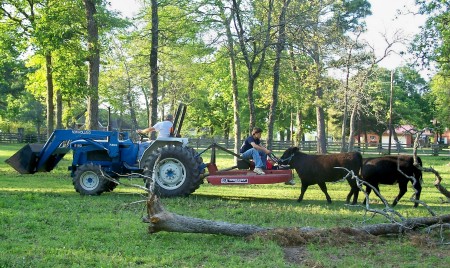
{"type": "Point", "coordinates": [20, 132]}
{"type": "Point", "coordinates": [435, 149]}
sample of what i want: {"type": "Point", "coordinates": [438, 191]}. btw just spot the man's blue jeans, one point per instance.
{"type": "Point", "coordinates": [260, 158]}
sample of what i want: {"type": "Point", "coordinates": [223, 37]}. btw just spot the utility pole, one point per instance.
{"type": "Point", "coordinates": [390, 111]}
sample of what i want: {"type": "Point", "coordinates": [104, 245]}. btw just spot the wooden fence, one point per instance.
{"type": "Point", "coordinates": [277, 146]}
{"type": "Point", "coordinates": [22, 138]}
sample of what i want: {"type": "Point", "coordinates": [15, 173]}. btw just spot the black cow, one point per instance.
{"type": "Point", "coordinates": [318, 169]}
{"type": "Point", "coordinates": [383, 170]}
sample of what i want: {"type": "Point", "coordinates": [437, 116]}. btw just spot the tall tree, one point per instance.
{"type": "Point", "coordinates": [12, 68]}
{"type": "Point", "coordinates": [317, 34]}
{"type": "Point", "coordinates": [26, 15]}
{"type": "Point", "coordinates": [154, 65]}
{"type": "Point", "coordinates": [253, 41]}
{"type": "Point", "coordinates": [120, 77]}
{"type": "Point", "coordinates": [93, 64]}
{"type": "Point", "coordinates": [280, 45]}
{"type": "Point", "coordinates": [440, 97]}
{"type": "Point", "coordinates": [226, 20]}
{"type": "Point", "coordinates": [432, 44]}
{"type": "Point", "coordinates": [432, 48]}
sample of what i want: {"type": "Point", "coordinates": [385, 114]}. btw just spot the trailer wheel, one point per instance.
{"type": "Point", "coordinates": [175, 171]}
{"type": "Point", "coordinates": [88, 180]}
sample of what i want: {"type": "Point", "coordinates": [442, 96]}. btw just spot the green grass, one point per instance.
{"type": "Point", "coordinates": [45, 223]}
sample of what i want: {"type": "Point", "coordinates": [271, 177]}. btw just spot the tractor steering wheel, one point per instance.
{"type": "Point", "coordinates": [142, 136]}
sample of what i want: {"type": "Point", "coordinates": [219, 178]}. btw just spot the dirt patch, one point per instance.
{"type": "Point", "coordinates": [292, 237]}
{"type": "Point", "coordinates": [300, 257]}
{"type": "Point", "coordinates": [294, 241]}
{"type": "Point", "coordinates": [297, 255]}
{"type": "Point", "coordinates": [430, 245]}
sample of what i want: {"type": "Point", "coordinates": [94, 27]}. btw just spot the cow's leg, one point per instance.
{"type": "Point", "coordinates": [350, 196]}
{"type": "Point", "coordinates": [369, 190]}
{"type": "Point", "coordinates": [323, 187]}
{"type": "Point", "coordinates": [403, 186]}
{"type": "Point", "coordinates": [302, 192]}
{"type": "Point", "coordinates": [418, 188]}
{"type": "Point", "coordinates": [354, 190]}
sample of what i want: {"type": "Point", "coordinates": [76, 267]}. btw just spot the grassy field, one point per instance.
{"type": "Point", "coordinates": [45, 223]}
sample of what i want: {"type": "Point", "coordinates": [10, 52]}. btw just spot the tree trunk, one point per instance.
{"type": "Point", "coordinates": [298, 104]}
{"type": "Point", "coordinates": [320, 114]}
{"type": "Point", "coordinates": [130, 99]}
{"type": "Point", "coordinates": [351, 135]}
{"type": "Point", "coordinates": [321, 136]}
{"type": "Point", "coordinates": [260, 54]}
{"type": "Point", "coordinates": [94, 65]}
{"type": "Point", "coordinates": [154, 67]}
{"type": "Point", "coordinates": [251, 103]}
{"type": "Point", "coordinates": [147, 104]}
{"type": "Point", "coordinates": [398, 146]}
{"type": "Point", "coordinates": [134, 124]}
{"type": "Point", "coordinates": [50, 105]}
{"type": "Point", "coordinates": [299, 131]}
{"type": "Point", "coordinates": [59, 109]}
{"type": "Point", "coordinates": [234, 81]}
{"type": "Point", "coordinates": [345, 112]}
{"type": "Point", "coordinates": [276, 72]}
{"type": "Point", "coordinates": [344, 122]}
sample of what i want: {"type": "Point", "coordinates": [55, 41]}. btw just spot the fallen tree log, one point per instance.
{"type": "Point", "coordinates": [160, 219]}
{"type": "Point", "coordinates": [406, 225]}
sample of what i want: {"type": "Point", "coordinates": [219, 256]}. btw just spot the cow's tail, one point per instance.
{"type": "Point", "coordinates": [360, 164]}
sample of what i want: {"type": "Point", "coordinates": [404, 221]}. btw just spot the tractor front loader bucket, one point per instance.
{"type": "Point", "coordinates": [26, 159]}
{"type": "Point", "coordinates": [34, 158]}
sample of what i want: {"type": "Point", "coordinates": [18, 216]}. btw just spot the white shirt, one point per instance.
{"type": "Point", "coordinates": [163, 128]}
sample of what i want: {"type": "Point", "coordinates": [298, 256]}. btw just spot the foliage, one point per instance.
{"type": "Point", "coordinates": [432, 45]}
{"type": "Point", "coordinates": [194, 66]}
{"type": "Point", "coordinates": [440, 95]}
{"type": "Point", "coordinates": [410, 101]}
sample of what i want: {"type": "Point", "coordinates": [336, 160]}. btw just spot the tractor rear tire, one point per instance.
{"type": "Point", "coordinates": [88, 180]}
{"type": "Point", "coordinates": [176, 171]}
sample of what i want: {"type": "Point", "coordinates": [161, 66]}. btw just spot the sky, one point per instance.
{"type": "Point", "coordinates": [383, 21]}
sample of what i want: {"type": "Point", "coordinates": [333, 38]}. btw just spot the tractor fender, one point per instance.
{"type": "Point", "coordinates": [161, 142]}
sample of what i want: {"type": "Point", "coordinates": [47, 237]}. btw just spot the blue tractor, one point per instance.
{"type": "Point", "coordinates": [170, 162]}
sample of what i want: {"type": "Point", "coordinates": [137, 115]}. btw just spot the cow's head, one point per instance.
{"type": "Point", "coordinates": [287, 155]}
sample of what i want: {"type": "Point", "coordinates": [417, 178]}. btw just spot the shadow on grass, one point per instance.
{"type": "Point", "coordinates": [285, 201]}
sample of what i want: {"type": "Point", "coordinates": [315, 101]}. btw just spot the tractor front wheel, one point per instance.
{"type": "Point", "coordinates": [88, 180]}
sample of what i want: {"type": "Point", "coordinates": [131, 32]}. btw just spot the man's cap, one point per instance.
{"type": "Point", "coordinates": [169, 117]}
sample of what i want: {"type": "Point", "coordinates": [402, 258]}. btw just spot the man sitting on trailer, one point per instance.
{"type": "Point", "coordinates": [252, 149]}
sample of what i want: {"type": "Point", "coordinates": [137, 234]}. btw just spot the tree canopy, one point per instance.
{"type": "Point", "coordinates": [289, 67]}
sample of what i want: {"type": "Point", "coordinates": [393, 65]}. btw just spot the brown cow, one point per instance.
{"type": "Point", "coordinates": [383, 170]}
{"type": "Point", "coordinates": [318, 169]}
